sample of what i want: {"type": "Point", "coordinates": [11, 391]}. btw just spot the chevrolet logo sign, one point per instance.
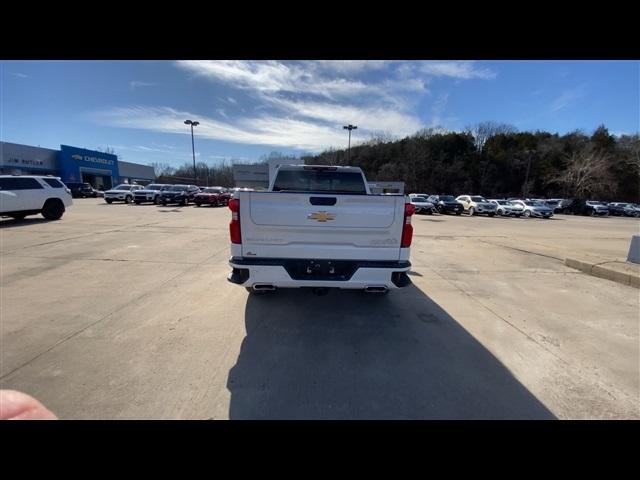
{"type": "Point", "coordinates": [76, 157]}
{"type": "Point", "coordinates": [321, 216]}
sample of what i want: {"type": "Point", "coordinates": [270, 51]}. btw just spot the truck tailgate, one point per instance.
{"type": "Point", "coordinates": [321, 226]}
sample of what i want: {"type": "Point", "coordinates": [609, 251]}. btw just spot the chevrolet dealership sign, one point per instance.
{"type": "Point", "coordinates": [87, 158]}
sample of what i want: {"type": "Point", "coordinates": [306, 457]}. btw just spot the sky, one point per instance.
{"type": "Point", "coordinates": [248, 109]}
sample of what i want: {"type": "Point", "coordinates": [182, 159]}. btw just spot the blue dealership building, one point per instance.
{"type": "Point", "coordinates": [72, 164]}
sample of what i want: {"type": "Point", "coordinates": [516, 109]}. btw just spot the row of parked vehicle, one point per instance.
{"type": "Point", "coordinates": [165, 194]}
{"type": "Point", "coordinates": [517, 207]}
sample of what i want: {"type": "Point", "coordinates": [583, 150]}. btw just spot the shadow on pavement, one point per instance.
{"type": "Point", "coordinates": [10, 223]}
{"type": "Point", "coordinates": [351, 356]}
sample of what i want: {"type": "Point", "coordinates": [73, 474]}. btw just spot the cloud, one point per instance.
{"type": "Point", "coordinates": [461, 70]}
{"type": "Point", "coordinates": [19, 75]}
{"type": "Point", "coordinates": [349, 67]}
{"type": "Point", "coordinates": [272, 77]}
{"type": "Point", "coordinates": [302, 104]}
{"type": "Point", "coordinates": [137, 84]}
{"type": "Point", "coordinates": [283, 132]}
{"type": "Point", "coordinates": [568, 97]}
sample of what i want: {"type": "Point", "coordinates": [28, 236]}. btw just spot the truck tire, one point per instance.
{"type": "Point", "coordinates": [53, 209]}
{"type": "Point", "coordinates": [471, 211]}
{"type": "Point", "coordinates": [128, 199]}
{"type": "Point", "coordinates": [527, 214]}
{"type": "Point", "coordinates": [108, 200]}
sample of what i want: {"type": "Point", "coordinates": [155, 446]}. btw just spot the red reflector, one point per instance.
{"type": "Point", "coordinates": [234, 232]}
{"type": "Point", "coordinates": [234, 226]}
{"type": "Point", "coordinates": [409, 209]}
{"type": "Point", "coordinates": [407, 235]}
{"type": "Point", "coordinates": [407, 228]}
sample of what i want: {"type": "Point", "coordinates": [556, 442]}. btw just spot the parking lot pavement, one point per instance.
{"type": "Point", "coordinates": [123, 311]}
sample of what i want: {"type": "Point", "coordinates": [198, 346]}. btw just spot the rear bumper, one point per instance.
{"type": "Point", "coordinates": [280, 273]}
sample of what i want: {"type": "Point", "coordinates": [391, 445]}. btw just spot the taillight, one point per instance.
{"type": "Point", "coordinates": [234, 226]}
{"type": "Point", "coordinates": [407, 228]}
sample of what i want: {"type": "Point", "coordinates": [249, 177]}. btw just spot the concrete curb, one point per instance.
{"type": "Point", "coordinates": [624, 274]}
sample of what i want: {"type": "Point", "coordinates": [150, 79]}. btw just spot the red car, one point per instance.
{"type": "Point", "coordinates": [216, 196]}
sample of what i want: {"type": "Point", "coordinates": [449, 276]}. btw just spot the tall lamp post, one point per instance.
{"type": "Point", "coordinates": [349, 127]}
{"type": "Point", "coordinates": [193, 148]}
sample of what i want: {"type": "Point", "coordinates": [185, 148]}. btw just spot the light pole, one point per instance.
{"type": "Point", "coordinates": [349, 127]}
{"type": "Point", "coordinates": [193, 148]}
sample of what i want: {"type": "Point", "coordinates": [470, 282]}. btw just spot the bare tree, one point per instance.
{"type": "Point", "coordinates": [483, 131]}
{"type": "Point", "coordinates": [161, 169]}
{"type": "Point", "coordinates": [586, 173]}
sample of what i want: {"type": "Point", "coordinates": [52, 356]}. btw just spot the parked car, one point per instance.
{"type": "Point", "coordinates": [215, 196]}
{"type": "Point", "coordinates": [234, 191]}
{"type": "Point", "coordinates": [180, 194]}
{"type": "Point", "coordinates": [422, 204]}
{"type": "Point", "coordinates": [507, 208]}
{"type": "Point", "coordinates": [150, 193]}
{"type": "Point", "coordinates": [22, 195]}
{"type": "Point", "coordinates": [632, 210]}
{"type": "Point", "coordinates": [81, 190]}
{"type": "Point", "coordinates": [425, 195]}
{"type": "Point", "coordinates": [534, 209]}
{"type": "Point", "coordinates": [595, 208]}
{"type": "Point", "coordinates": [475, 204]}
{"type": "Point", "coordinates": [446, 204]}
{"type": "Point", "coordinates": [622, 209]}
{"type": "Point", "coordinates": [122, 193]}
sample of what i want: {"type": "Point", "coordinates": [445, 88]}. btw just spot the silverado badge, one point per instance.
{"type": "Point", "coordinates": [321, 216]}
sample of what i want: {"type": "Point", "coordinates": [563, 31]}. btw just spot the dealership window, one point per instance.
{"type": "Point", "coordinates": [19, 183]}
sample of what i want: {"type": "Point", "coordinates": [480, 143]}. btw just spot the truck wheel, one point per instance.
{"type": "Point", "coordinates": [471, 211]}
{"type": "Point", "coordinates": [127, 199]}
{"type": "Point", "coordinates": [53, 209]}
{"type": "Point", "coordinates": [527, 214]}
{"type": "Point", "coordinates": [108, 200]}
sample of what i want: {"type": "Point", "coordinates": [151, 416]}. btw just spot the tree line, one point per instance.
{"type": "Point", "coordinates": [496, 160]}
{"type": "Point", "coordinates": [490, 159]}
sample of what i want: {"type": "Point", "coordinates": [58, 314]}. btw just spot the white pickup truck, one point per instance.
{"type": "Point", "coordinates": [320, 227]}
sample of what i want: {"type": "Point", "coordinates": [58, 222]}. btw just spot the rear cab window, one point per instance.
{"type": "Point", "coordinates": [319, 181]}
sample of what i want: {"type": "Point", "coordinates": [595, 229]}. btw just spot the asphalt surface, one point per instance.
{"type": "Point", "coordinates": [124, 312]}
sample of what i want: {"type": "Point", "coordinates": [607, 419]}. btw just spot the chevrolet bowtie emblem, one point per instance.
{"type": "Point", "coordinates": [321, 216]}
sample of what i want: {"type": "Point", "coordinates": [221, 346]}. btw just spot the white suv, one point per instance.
{"type": "Point", "coordinates": [475, 204]}
{"type": "Point", "coordinates": [22, 195]}
{"type": "Point", "coordinates": [123, 192]}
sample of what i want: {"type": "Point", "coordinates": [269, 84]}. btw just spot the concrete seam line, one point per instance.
{"type": "Point", "coordinates": [599, 383]}
{"type": "Point", "coordinates": [78, 332]}
{"type": "Point", "coordinates": [521, 250]}
{"type": "Point", "coordinates": [501, 318]}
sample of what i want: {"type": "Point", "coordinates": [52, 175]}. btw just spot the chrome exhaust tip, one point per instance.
{"type": "Point", "coordinates": [375, 289]}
